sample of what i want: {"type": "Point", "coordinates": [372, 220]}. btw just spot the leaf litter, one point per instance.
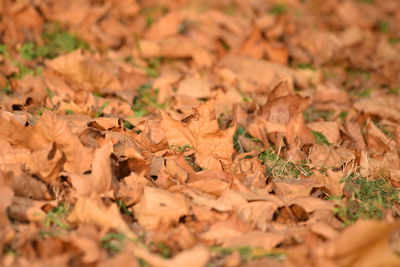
{"type": "Point", "coordinates": [199, 133]}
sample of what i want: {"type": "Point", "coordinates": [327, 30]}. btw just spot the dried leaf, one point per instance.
{"type": "Point", "coordinates": [175, 47]}
{"type": "Point", "coordinates": [159, 207]}
{"type": "Point", "coordinates": [85, 70]}
{"type": "Point", "coordinates": [92, 210]}
{"type": "Point", "coordinates": [211, 144]}
{"type": "Point", "coordinates": [365, 242]}
{"type": "Point", "coordinates": [99, 181]}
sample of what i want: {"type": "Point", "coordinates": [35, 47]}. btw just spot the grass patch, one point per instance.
{"type": "Point", "coordinates": [394, 90]}
{"type": "Point", "coordinates": [56, 42]}
{"type": "Point", "coordinates": [128, 125]}
{"type": "Point", "coordinates": [247, 253]}
{"type": "Point", "coordinates": [24, 70]}
{"type": "Point", "coordinates": [123, 208]}
{"type": "Point", "coordinates": [99, 112]}
{"type": "Point", "coordinates": [50, 93]}
{"type": "Point", "coordinates": [161, 249]}
{"type": "Point", "coordinates": [305, 66]}
{"type": "Point", "coordinates": [7, 88]}
{"type": "Point", "coordinates": [394, 40]}
{"type": "Point", "coordinates": [180, 149]}
{"type": "Point", "coordinates": [113, 242]}
{"type": "Point", "coordinates": [150, 13]}
{"type": "Point", "coordinates": [9, 250]}
{"type": "Point", "coordinates": [246, 98]}
{"type": "Point", "coordinates": [367, 199]}
{"type": "Point", "coordinates": [365, 93]}
{"type": "Point", "coordinates": [384, 129]}
{"type": "Point", "coordinates": [320, 138]}
{"type": "Point", "coordinates": [153, 66]}
{"type": "Point", "coordinates": [329, 74]}
{"type": "Point", "coordinates": [27, 51]}
{"type": "Point", "coordinates": [383, 26]}
{"type": "Point", "coordinates": [312, 114]}
{"type": "Point", "coordinates": [145, 99]}
{"type": "Point", "coordinates": [359, 72]}
{"type": "Point", "coordinates": [241, 131]}
{"type": "Point", "coordinates": [98, 94]}
{"type": "Point", "coordinates": [282, 169]}
{"type": "Point", "coordinates": [278, 9]}
{"type": "Point", "coordinates": [343, 115]}
{"type": "Point", "coordinates": [4, 50]}
{"type": "Point", "coordinates": [55, 219]}
{"type": "Point", "coordinates": [230, 9]}
{"type": "Point", "coordinates": [190, 159]}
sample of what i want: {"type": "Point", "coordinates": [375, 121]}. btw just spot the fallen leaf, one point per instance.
{"type": "Point", "coordinates": [329, 129]}
{"type": "Point", "coordinates": [175, 47]}
{"type": "Point", "coordinates": [196, 88]}
{"type": "Point", "coordinates": [6, 196]}
{"type": "Point", "coordinates": [99, 180]}
{"type": "Point", "coordinates": [260, 239]}
{"type": "Point", "coordinates": [364, 243]}
{"type": "Point", "coordinates": [92, 210]}
{"type": "Point", "coordinates": [197, 257]}
{"type": "Point", "coordinates": [85, 70]}
{"type": "Point", "coordinates": [383, 106]}
{"type": "Point", "coordinates": [202, 134]}
{"type": "Point", "coordinates": [158, 207]}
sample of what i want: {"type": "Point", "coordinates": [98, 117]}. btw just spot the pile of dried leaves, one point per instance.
{"type": "Point", "coordinates": [200, 133]}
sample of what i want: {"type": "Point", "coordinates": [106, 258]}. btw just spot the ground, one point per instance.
{"type": "Point", "coordinates": [200, 133]}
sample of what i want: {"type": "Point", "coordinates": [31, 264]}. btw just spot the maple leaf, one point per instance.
{"type": "Point", "coordinates": [212, 145]}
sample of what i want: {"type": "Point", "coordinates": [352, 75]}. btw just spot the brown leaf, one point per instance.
{"type": "Point", "coordinates": [197, 256]}
{"type": "Point", "coordinates": [331, 181]}
{"type": "Point", "coordinates": [25, 209]}
{"type": "Point", "coordinates": [92, 210]}
{"type": "Point", "coordinates": [167, 25]}
{"type": "Point", "coordinates": [131, 189]}
{"type": "Point", "coordinates": [211, 144]}
{"type": "Point", "coordinates": [211, 185]}
{"type": "Point", "coordinates": [27, 186]}
{"type": "Point", "coordinates": [385, 106]}
{"type": "Point", "coordinates": [351, 36]}
{"type": "Point", "coordinates": [284, 108]}
{"type": "Point", "coordinates": [258, 213]}
{"type": "Point", "coordinates": [159, 206]}
{"type": "Point", "coordinates": [206, 200]}
{"type": "Point", "coordinates": [260, 239]}
{"type": "Point", "coordinates": [310, 204]}
{"type": "Point", "coordinates": [175, 47]}
{"type": "Point", "coordinates": [85, 70]}
{"type": "Point", "coordinates": [364, 243]}
{"type": "Point", "coordinates": [330, 129]}
{"type": "Point", "coordinates": [330, 93]}
{"type": "Point", "coordinates": [196, 88]}
{"type": "Point", "coordinates": [50, 129]}
{"type": "Point", "coordinates": [99, 181]}
{"type": "Point", "coordinates": [294, 188]}
{"type": "Point", "coordinates": [354, 131]}
{"type": "Point", "coordinates": [6, 196]}
{"type": "Point", "coordinates": [377, 141]}
{"type": "Point", "coordinates": [328, 156]}
{"type": "Point", "coordinates": [46, 163]}
{"type": "Point", "coordinates": [322, 45]}
{"type": "Point", "coordinates": [89, 247]}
